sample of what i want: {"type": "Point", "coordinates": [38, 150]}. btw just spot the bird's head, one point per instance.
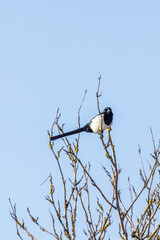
{"type": "Point", "coordinates": [107, 110]}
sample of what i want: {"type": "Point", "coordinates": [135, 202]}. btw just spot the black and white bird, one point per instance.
{"type": "Point", "coordinates": [98, 124]}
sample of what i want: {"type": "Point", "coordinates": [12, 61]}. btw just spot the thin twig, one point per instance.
{"type": "Point", "coordinates": [92, 181]}
{"type": "Point", "coordinates": [145, 185]}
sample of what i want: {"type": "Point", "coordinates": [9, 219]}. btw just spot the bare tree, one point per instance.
{"type": "Point", "coordinates": [77, 195]}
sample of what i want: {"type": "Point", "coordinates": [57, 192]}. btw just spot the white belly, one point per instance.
{"type": "Point", "coordinates": [97, 124]}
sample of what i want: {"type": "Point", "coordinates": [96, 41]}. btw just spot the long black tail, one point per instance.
{"type": "Point", "coordinates": [85, 128]}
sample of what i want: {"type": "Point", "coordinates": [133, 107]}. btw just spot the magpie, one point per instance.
{"type": "Point", "coordinates": [96, 125]}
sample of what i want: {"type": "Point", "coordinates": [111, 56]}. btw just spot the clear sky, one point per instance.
{"type": "Point", "coordinates": [50, 52]}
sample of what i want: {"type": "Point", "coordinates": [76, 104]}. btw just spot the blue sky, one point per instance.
{"type": "Point", "coordinates": [50, 52]}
